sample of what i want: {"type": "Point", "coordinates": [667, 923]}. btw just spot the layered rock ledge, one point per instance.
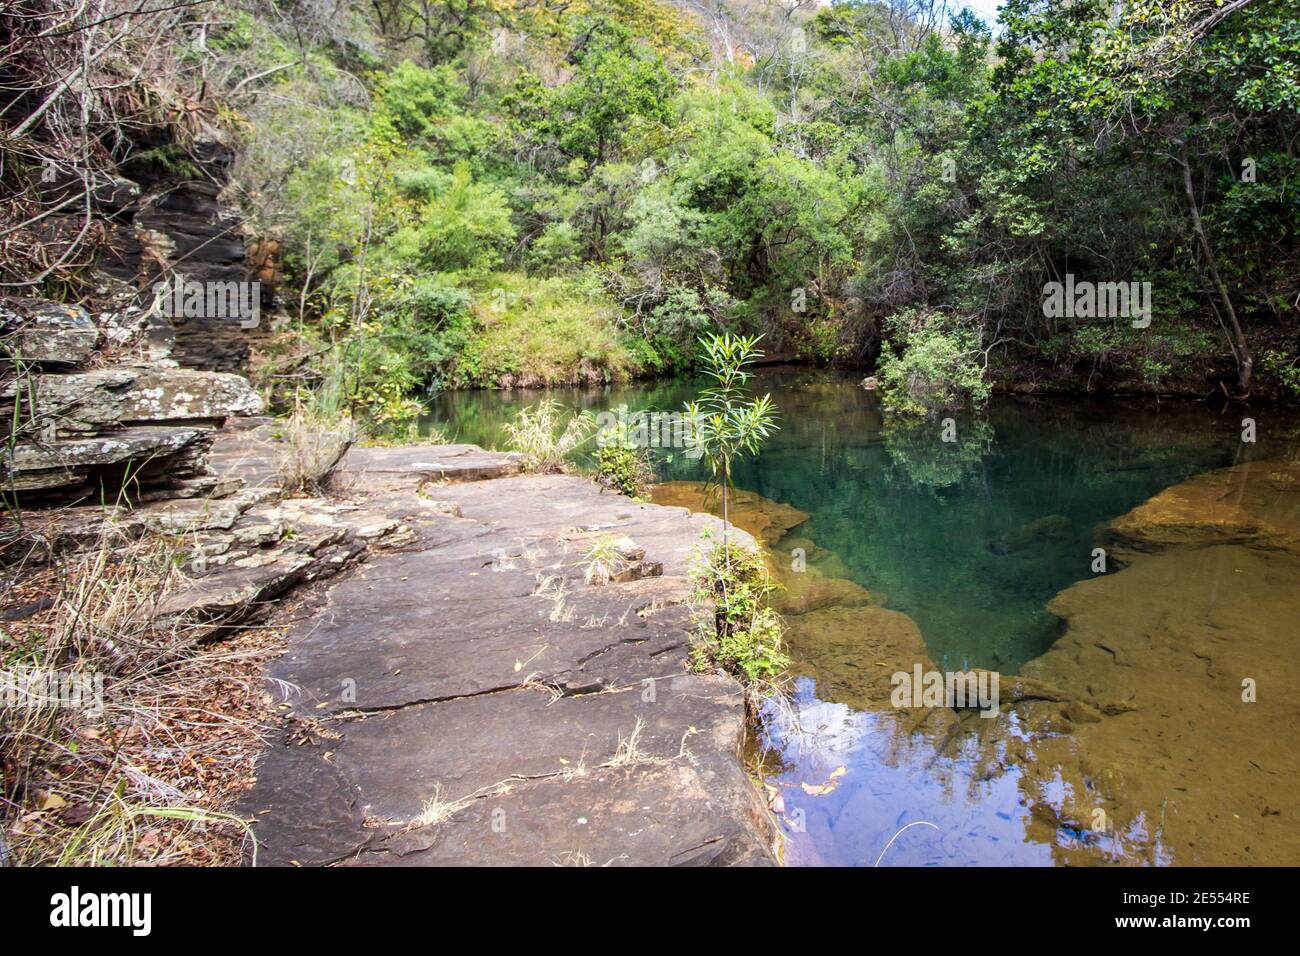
{"type": "Point", "coordinates": [475, 700]}
{"type": "Point", "coordinates": [96, 406]}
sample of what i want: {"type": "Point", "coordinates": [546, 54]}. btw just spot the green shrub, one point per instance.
{"type": "Point", "coordinates": [626, 469]}
{"type": "Point", "coordinates": [1285, 368]}
{"type": "Point", "coordinates": [932, 367]}
{"type": "Point", "coordinates": [743, 635]}
{"type": "Point", "coordinates": [558, 247]}
{"type": "Point", "coordinates": [530, 331]}
{"type": "Point", "coordinates": [466, 225]}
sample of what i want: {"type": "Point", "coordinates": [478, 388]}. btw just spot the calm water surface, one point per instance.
{"type": "Point", "coordinates": [970, 540]}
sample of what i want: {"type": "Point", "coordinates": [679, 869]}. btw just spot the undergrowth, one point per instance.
{"type": "Point", "coordinates": [136, 765]}
{"type": "Point", "coordinates": [625, 469]}
{"type": "Point", "coordinates": [742, 634]}
{"type": "Point", "coordinates": [543, 443]}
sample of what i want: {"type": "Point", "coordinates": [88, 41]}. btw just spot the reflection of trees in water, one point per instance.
{"type": "Point", "coordinates": [917, 448]}
{"type": "Point", "coordinates": [951, 761]}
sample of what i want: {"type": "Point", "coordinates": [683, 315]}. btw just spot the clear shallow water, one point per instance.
{"type": "Point", "coordinates": [970, 539]}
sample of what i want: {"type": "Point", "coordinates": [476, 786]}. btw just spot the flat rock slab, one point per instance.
{"type": "Point", "coordinates": [686, 812]}
{"type": "Point", "coordinates": [41, 331]}
{"type": "Point", "coordinates": [109, 396]}
{"type": "Point", "coordinates": [248, 451]}
{"type": "Point", "coordinates": [432, 462]}
{"type": "Point", "coordinates": [150, 450]}
{"type": "Point", "coordinates": [480, 678]}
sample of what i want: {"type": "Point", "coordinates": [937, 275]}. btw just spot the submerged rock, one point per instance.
{"type": "Point", "coordinates": [1182, 664]}
{"type": "Point", "coordinates": [1253, 503]}
{"type": "Point", "coordinates": [768, 521]}
{"type": "Point", "coordinates": [1052, 528]}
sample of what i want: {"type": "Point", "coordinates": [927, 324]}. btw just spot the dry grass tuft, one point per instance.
{"type": "Point", "coordinates": [138, 769]}
{"type": "Point", "coordinates": [311, 449]}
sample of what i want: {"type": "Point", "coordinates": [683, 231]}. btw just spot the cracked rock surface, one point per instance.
{"type": "Point", "coordinates": [473, 700]}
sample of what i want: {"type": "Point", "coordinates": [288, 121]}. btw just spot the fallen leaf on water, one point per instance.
{"type": "Point", "coordinates": [821, 789]}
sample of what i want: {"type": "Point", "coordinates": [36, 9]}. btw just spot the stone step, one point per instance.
{"type": "Point", "coordinates": [39, 331]}
{"type": "Point", "coordinates": [432, 462]}
{"type": "Point", "coordinates": [149, 450]}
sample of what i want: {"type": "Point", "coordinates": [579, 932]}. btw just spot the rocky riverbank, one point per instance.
{"type": "Point", "coordinates": [470, 694]}
{"type": "Point", "coordinates": [477, 700]}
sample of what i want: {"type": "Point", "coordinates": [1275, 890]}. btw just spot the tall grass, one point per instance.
{"type": "Point", "coordinates": [543, 443]}
{"type": "Point", "coordinates": [310, 449]}
{"type": "Point", "coordinates": [134, 778]}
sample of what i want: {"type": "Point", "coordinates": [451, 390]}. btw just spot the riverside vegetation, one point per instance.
{"type": "Point", "coordinates": [503, 193]}
{"type": "Point", "coordinates": [738, 629]}
{"type": "Point", "coordinates": [518, 193]}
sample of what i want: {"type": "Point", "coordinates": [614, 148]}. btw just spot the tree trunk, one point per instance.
{"type": "Point", "coordinates": [1240, 351]}
{"type": "Point", "coordinates": [726, 524]}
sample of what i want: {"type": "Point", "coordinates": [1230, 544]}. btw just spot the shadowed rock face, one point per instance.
{"type": "Point", "coordinates": [475, 701]}
{"type": "Point", "coordinates": [152, 451]}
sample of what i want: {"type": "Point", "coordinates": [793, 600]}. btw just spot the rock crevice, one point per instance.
{"type": "Point", "coordinates": [606, 749]}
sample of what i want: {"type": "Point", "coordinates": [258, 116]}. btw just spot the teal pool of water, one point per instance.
{"type": "Point", "coordinates": [970, 528]}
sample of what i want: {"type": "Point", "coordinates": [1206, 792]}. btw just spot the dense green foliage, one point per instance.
{"type": "Point", "coordinates": [625, 468]}
{"type": "Point", "coordinates": [538, 195]}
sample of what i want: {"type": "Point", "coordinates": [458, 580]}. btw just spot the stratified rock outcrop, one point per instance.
{"type": "Point", "coordinates": [92, 418]}
{"type": "Point", "coordinates": [157, 223]}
